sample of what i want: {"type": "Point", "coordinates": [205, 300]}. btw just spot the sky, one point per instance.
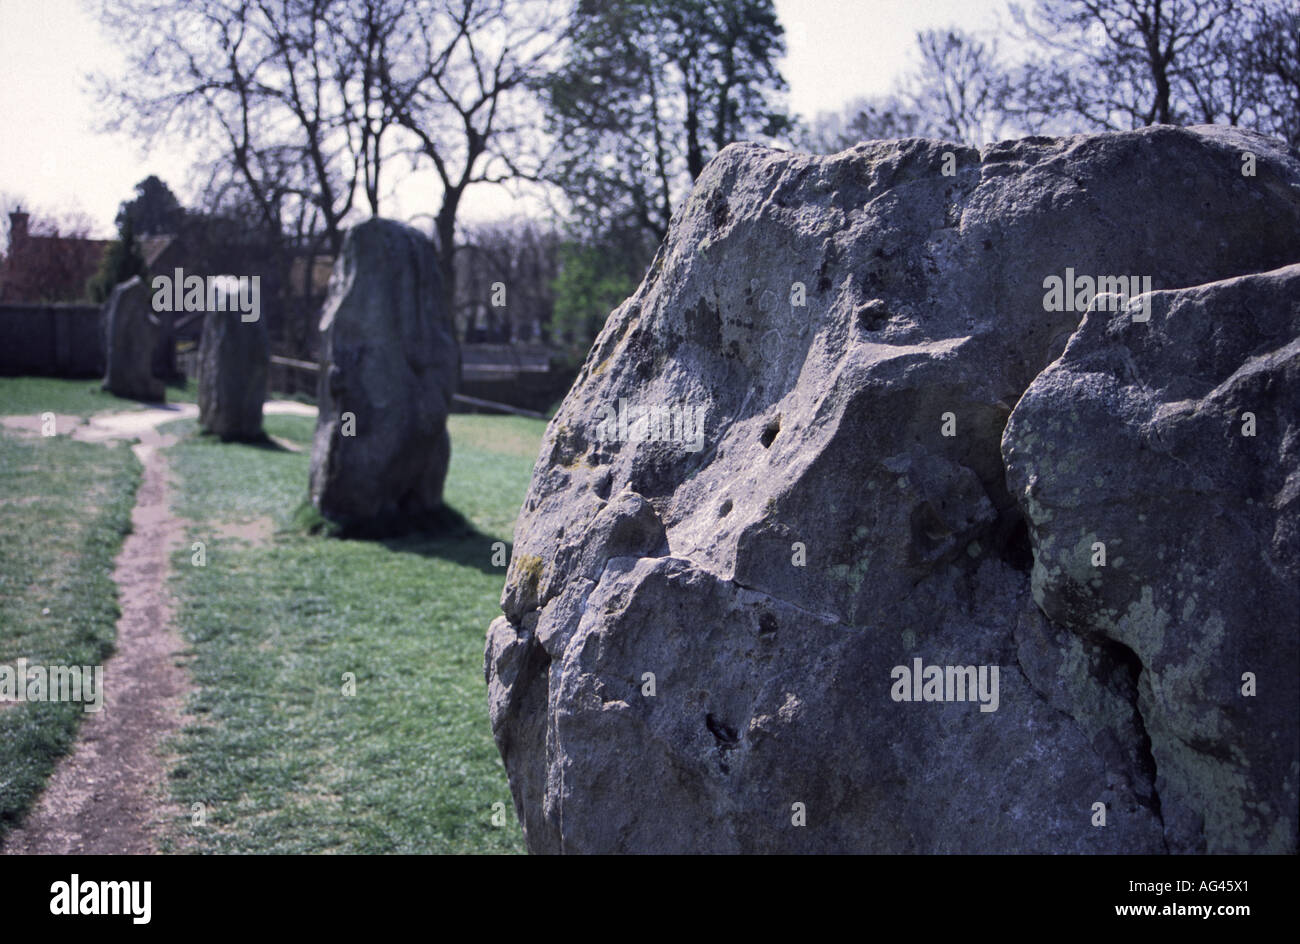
{"type": "Point", "coordinates": [54, 159]}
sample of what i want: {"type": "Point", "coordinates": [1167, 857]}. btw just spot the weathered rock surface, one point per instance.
{"type": "Point", "coordinates": [1176, 445]}
{"type": "Point", "coordinates": [389, 368]}
{"type": "Point", "coordinates": [130, 336]}
{"type": "Point", "coordinates": [234, 363]}
{"type": "Point", "coordinates": [828, 530]}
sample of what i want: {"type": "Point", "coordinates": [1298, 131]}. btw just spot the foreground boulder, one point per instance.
{"type": "Point", "coordinates": [389, 368]}
{"type": "Point", "coordinates": [234, 362]}
{"type": "Point", "coordinates": [869, 527]}
{"type": "Point", "coordinates": [131, 333]}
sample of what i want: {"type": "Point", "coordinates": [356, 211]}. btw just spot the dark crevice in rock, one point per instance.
{"type": "Point", "coordinates": [1011, 540]}
{"type": "Point", "coordinates": [872, 315]}
{"type": "Point", "coordinates": [1140, 759]}
{"type": "Point", "coordinates": [538, 665]}
{"type": "Point", "coordinates": [1016, 547]}
{"type": "Point", "coordinates": [724, 733]}
{"type": "Point", "coordinates": [727, 738]}
{"type": "Point", "coordinates": [1127, 659]}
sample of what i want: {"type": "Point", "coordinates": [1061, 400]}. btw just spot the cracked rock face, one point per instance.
{"type": "Point", "coordinates": [389, 368]}
{"type": "Point", "coordinates": [909, 460]}
{"type": "Point", "coordinates": [1190, 476]}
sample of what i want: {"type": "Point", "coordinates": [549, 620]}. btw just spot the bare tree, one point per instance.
{"type": "Point", "coordinates": [1118, 64]}
{"type": "Point", "coordinates": [505, 280]}
{"type": "Point", "coordinates": [303, 103]}
{"type": "Point", "coordinates": [958, 87]}
{"type": "Point", "coordinates": [1273, 52]}
{"type": "Point", "coordinates": [282, 92]}
{"type": "Point", "coordinates": [863, 119]}
{"type": "Point", "coordinates": [458, 85]}
{"type": "Point", "coordinates": [956, 91]}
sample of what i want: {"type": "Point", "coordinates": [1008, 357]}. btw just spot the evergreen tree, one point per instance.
{"type": "Point", "coordinates": [154, 210]}
{"type": "Point", "coordinates": [122, 261]}
{"type": "Point", "coordinates": [649, 92]}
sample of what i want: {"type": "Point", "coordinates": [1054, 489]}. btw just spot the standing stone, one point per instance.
{"type": "Point", "coordinates": [130, 336]}
{"type": "Point", "coordinates": [390, 365]}
{"type": "Point", "coordinates": [164, 355]}
{"type": "Point", "coordinates": [910, 455]}
{"type": "Point", "coordinates": [234, 361]}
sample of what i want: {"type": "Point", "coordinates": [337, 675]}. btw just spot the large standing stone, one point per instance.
{"type": "Point", "coordinates": [130, 335]}
{"type": "Point", "coordinates": [700, 633]}
{"type": "Point", "coordinates": [389, 368]}
{"type": "Point", "coordinates": [234, 361]}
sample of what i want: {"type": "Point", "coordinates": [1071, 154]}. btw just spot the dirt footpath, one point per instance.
{"type": "Point", "coordinates": [109, 796]}
{"type": "Point", "coordinates": [105, 797]}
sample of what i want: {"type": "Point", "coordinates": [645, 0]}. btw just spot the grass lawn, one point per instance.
{"type": "Point", "coordinates": [37, 395]}
{"type": "Point", "coordinates": [185, 392]}
{"type": "Point", "coordinates": [281, 758]}
{"type": "Point", "coordinates": [64, 509]}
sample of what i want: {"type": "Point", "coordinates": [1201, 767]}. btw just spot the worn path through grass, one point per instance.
{"type": "Point", "coordinates": [338, 700]}
{"type": "Point", "coordinates": [105, 797]}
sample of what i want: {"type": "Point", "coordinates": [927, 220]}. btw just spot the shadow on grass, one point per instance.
{"type": "Point", "coordinates": [262, 441]}
{"type": "Point", "coordinates": [445, 534]}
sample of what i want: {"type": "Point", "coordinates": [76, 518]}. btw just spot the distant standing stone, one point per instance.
{"type": "Point", "coordinates": [234, 360]}
{"type": "Point", "coordinates": [131, 333]}
{"type": "Point", "coordinates": [389, 367]}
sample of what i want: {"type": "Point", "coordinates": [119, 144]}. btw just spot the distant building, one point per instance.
{"type": "Point", "coordinates": [47, 268]}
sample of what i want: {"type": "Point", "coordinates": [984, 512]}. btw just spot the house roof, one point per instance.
{"type": "Point", "coordinates": [152, 247]}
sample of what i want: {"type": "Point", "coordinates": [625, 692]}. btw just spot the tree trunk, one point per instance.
{"type": "Point", "coordinates": [446, 229]}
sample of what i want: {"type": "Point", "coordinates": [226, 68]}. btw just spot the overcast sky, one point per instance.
{"type": "Point", "coordinates": [51, 157]}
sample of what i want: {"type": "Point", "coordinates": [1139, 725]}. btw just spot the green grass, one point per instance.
{"type": "Point", "coordinates": [36, 395]}
{"type": "Point", "coordinates": [283, 761]}
{"type": "Point", "coordinates": [64, 508]}
{"type": "Point", "coordinates": [185, 392]}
